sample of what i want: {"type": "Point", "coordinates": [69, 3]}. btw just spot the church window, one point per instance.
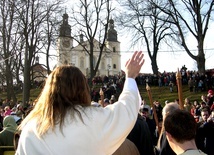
{"type": "Point", "coordinates": [65, 62]}
{"type": "Point", "coordinates": [94, 61]}
{"type": "Point", "coordinates": [102, 65]}
{"type": "Point", "coordinates": [73, 60]}
{"type": "Point", "coordinates": [114, 66]}
{"type": "Point", "coordinates": [114, 49]}
{"type": "Point", "coordinates": [81, 62]}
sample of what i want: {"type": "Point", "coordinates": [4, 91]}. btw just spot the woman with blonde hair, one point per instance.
{"type": "Point", "coordinates": [64, 122]}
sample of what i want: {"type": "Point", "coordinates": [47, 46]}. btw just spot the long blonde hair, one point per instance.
{"type": "Point", "coordinates": [65, 88]}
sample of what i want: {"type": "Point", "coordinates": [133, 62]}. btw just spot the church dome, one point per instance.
{"type": "Point", "coordinates": [112, 33]}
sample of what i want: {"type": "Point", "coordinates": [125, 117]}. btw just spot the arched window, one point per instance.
{"type": "Point", "coordinates": [114, 66]}
{"type": "Point", "coordinates": [102, 65]}
{"type": "Point", "coordinates": [94, 61]}
{"type": "Point", "coordinates": [81, 62]}
{"type": "Point", "coordinates": [114, 49]}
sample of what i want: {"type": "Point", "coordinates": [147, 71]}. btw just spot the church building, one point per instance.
{"type": "Point", "coordinates": [67, 53]}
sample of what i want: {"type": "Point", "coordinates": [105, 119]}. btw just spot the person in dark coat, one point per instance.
{"type": "Point", "coordinates": [151, 124]}
{"type": "Point", "coordinates": [141, 137]}
{"type": "Point", "coordinates": [158, 108]}
{"type": "Point", "coordinates": [210, 97]}
{"type": "Point", "coordinates": [205, 132]}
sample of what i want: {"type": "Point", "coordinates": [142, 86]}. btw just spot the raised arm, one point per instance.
{"type": "Point", "coordinates": [134, 65]}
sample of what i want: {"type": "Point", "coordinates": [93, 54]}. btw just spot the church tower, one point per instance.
{"type": "Point", "coordinates": [77, 56]}
{"type": "Point", "coordinates": [114, 45]}
{"type": "Point", "coordinates": [65, 42]}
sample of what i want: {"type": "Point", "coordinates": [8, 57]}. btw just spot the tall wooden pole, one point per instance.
{"type": "Point", "coordinates": [153, 107]}
{"type": "Point", "coordinates": [179, 85]}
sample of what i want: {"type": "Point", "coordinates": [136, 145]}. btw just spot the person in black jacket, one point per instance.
{"type": "Point", "coordinates": [205, 132]}
{"type": "Point", "coordinates": [141, 137]}
{"type": "Point", "coordinates": [151, 124]}
{"type": "Point", "coordinates": [210, 97]}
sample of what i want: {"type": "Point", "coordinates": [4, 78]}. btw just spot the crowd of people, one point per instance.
{"type": "Point", "coordinates": [68, 118]}
{"type": "Point", "coordinates": [195, 80]}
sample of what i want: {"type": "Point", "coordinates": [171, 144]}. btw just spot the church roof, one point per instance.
{"type": "Point", "coordinates": [86, 44]}
{"type": "Point", "coordinates": [38, 68]}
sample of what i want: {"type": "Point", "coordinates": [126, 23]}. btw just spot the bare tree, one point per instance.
{"type": "Point", "coordinates": [18, 64]}
{"type": "Point", "coordinates": [50, 33]}
{"type": "Point", "coordinates": [143, 21]}
{"type": "Point", "coordinates": [91, 19]}
{"type": "Point", "coordinates": [10, 39]}
{"type": "Point", "coordinates": [33, 14]}
{"type": "Point", "coordinates": [192, 17]}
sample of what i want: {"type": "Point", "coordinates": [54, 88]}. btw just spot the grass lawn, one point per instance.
{"type": "Point", "coordinates": [158, 93]}
{"type": "Point", "coordinates": [163, 93]}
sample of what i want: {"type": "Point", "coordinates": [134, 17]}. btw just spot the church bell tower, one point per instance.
{"type": "Point", "coordinates": [114, 45]}
{"type": "Point", "coordinates": [65, 42]}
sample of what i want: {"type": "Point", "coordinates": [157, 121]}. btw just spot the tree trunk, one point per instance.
{"type": "Point", "coordinates": [154, 66]}
{"type": "Point", "coordinates": [201, 62]}
{"type": "Point", "coordinates": [201, 56]}
{"type": "Point", "coordinates": [10, 88]}
{"type": "Point", "coordinates": [27, 84]}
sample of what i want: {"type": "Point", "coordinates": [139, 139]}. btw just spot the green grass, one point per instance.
{"type": "Point", "coordinates": [158, 93]}
{"type": "Point", "coordinates": [163, 93]}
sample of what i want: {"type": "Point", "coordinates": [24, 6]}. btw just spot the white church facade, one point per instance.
{"type": "Point", "coordinates": [110, 63]}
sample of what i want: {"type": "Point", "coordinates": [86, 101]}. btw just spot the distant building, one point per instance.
{"type": "Point", "coordinates": [39, 73]}
{"type": "Point", "coordinates": [68, 54]}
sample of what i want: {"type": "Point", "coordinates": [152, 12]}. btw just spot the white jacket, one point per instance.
{"type": "Point", "coordinates": [103, 130]}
